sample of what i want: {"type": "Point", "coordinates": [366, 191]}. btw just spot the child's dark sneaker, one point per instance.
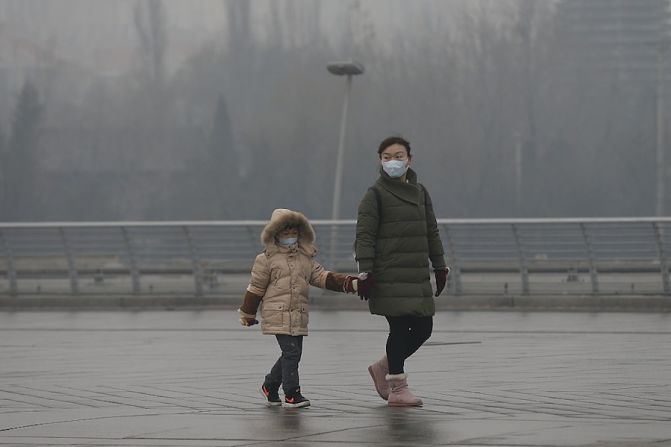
{"type": "Point", "coordinates": [295, 400]}
{"type": "Point", "coordinates": [271, 395]}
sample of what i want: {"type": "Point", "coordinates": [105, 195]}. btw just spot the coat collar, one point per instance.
{"type": "Point", "coordinates": [308, 250]}
{"type": "Point", "coordinates": [408, 191]}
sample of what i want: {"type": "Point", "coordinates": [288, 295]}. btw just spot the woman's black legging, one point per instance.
{"type": "Point", "coordinates": [406, 335]}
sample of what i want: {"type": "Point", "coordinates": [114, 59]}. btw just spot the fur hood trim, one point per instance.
{"type": "Point", "coordinates": [279, 220]}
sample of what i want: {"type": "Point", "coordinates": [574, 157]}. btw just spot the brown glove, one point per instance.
{"type": "Point", "coordinates": [248, 309]}
{"type": "Point", "coordinates": [340, 283]}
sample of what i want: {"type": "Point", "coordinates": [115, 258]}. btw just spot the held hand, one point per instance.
{"type": "Point", "coordinates": [441, 279]}
{"type": "Point", "coordinates": [365, 285]}
{"type": "Point", "coordinates": [350, 284]}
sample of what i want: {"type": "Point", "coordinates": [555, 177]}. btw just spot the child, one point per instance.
{"type": "Point", "coordinates": [281, 277]}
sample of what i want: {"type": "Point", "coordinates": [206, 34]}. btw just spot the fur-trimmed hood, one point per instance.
{"type": "Point", "coordinates": [279, 220]}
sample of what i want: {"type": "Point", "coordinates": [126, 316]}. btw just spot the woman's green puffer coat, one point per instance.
{"type": "Point", "coordinates": [396, 236]}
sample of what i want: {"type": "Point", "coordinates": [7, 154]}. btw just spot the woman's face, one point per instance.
{"type": "Point", "coordinates": [395, 152]}
{"type": "Point", "coordinates": [287, 233]}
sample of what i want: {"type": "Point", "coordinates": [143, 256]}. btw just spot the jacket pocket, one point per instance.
{"type": "Point", "coordinates": [305, 315]}
{"type": "Point", "coordinates": [273, 315]}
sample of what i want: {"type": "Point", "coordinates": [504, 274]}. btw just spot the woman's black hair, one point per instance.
{"type": "Point", "coordinates": [391, 141]}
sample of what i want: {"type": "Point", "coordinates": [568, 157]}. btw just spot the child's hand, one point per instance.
{"type": "Point", "coordinates": [350, 284]}
{"type": "Point", "coordinates": [248, 321]}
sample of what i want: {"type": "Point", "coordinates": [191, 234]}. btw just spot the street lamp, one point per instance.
{"type": "Point", "coordinates": [662, 55]}
{"type": "Point", "coordinates": [349, 69]}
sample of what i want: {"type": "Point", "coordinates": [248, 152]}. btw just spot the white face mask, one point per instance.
{"type": "Point", "coordinates": [288, 241]}
{"type": "Point", "coordinates": [395, 168]}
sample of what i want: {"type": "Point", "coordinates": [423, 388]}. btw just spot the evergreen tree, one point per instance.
{"type": "Point", "coordinates": [223, 160]}
{"type": "Point", "coordinates": [21, 155]}
{"type": "Point", "coordinates": [221, 138]}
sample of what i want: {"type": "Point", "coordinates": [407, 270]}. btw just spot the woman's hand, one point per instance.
{"type": "Point", "coordinates": [365, 284]}
{"type": "Point", "coordinates": [441, 279]}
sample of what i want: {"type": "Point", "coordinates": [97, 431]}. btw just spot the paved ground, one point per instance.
{"type": "Point", "coordinates": [191, 378]}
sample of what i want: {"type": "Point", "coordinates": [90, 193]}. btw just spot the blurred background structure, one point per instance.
{"type": "Point", "coordinates": [502, 261]}
{"type": "Point", "coordinates": [222, 109]}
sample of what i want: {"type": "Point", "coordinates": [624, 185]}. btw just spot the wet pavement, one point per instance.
{"type": "Point", "coordinates": [192, 378]}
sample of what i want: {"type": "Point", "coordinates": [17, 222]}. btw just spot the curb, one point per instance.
{"type": "Point", "coordinates": [331, 301]}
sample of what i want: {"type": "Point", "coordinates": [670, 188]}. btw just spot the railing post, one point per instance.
{"type": "Point", "coordinates": [11, 265]}
{"type": "Point", "coordinates": [72, 268]}
{"type": "Point", "coordinates": [332, 246]}
{"type": "Point", "coordinates": [593, 273]}
{"type": "Point", "coordinates": [663, 266]}
{"type": "Point", "coordinates": [524, 269]}
{"type": "Point", "coordinates": [134, 273]}
{"type": "Point", "coordinates": [455, 269]}
{"type": "Point", "coordinates": [197, 273]}
{"type": "Point", "coordinates": [254, 237]}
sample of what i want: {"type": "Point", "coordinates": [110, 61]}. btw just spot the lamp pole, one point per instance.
{"type": "Point", "coordinates": [348, 69]}
{"type": "Point", "coordinates": [337, 185]}
{"type": "Point", "coordinates": [660, 206]}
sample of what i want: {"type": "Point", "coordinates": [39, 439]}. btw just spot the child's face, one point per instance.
{"type": "Point", "coordinates": [288, 233]}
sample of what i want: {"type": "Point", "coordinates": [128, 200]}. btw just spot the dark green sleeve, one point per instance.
{"type": "Point", "coordinates": [366, 232]}
{"type": "Point", "coordinates": [436, 252]}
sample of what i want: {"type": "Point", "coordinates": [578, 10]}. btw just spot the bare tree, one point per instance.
{"type": "Point", "coordinates": [150, 26]}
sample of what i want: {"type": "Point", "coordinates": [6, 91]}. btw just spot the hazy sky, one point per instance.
{"type": "Point", "coordinates": [100, 34]}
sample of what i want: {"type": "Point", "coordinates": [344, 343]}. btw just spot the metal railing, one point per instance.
{"type": "Point", "coordinates": [487, 256]}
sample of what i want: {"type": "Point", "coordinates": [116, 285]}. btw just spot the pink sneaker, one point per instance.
{"type": "Point", "coordinates": [378, 372]}
{"type": "Point", "coordinates": [400, 395]}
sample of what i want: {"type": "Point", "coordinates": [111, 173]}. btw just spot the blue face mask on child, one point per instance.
{"type": "Point", "coordinates": [288, 241]}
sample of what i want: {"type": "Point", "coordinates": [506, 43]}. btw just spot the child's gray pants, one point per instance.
{"type": "Point", "coordinates": [285, 370]}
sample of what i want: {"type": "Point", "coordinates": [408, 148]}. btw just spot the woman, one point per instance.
{"type": "Point", "coordinates": [396, 236]}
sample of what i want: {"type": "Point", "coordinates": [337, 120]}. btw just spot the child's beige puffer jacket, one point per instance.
{"type": "Point", "coordinates": [282, 275]}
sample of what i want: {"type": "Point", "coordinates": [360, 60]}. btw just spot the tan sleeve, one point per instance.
{"type": "Point", "coordinates": [260, 276]}
{"type": "Point", "coordinates": [318, 276]}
